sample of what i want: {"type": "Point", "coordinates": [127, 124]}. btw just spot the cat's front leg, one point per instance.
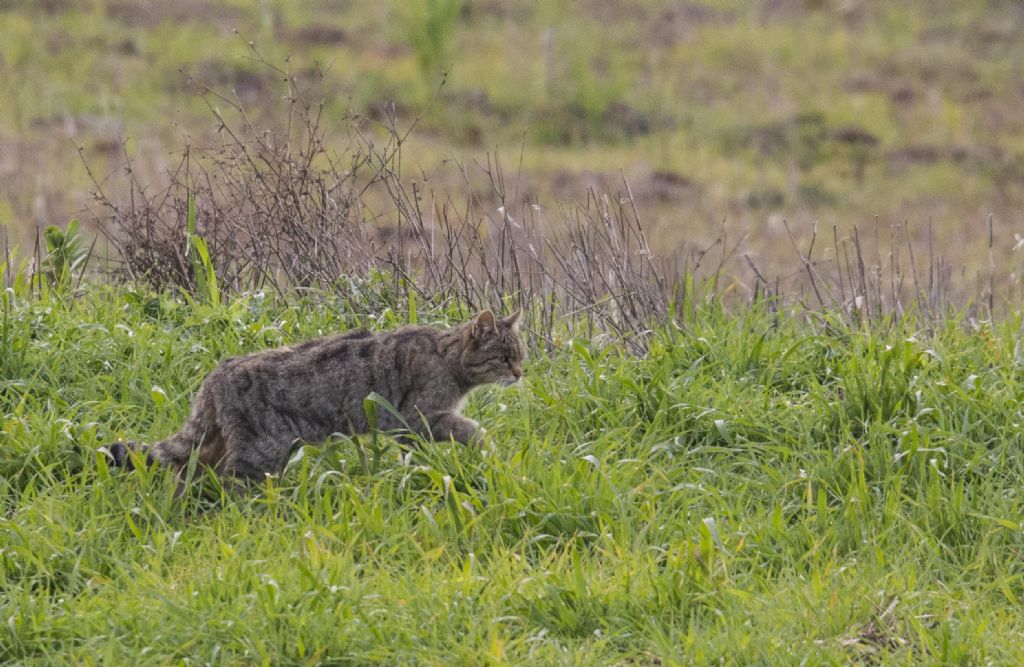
{"type": "Point", "coordinates": [450, 426]}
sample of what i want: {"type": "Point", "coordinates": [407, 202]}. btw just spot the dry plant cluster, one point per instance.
{"type": "Point", "coordinates": [281, 209]}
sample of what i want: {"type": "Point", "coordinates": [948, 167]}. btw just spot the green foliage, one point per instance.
{"type": "Point", "coordinates": [429, 25]}
{"type": "Point", "coordinates": [66, 255]}
{"type": "Point", "coordinates": [581, 102]}
{"type": "Point", "coordinates": [753, 490]}
{"type": "Point", "coordinates": [202, 264]}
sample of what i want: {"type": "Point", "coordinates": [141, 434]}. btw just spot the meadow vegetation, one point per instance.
{"type": "Point", "coordinates": [759, 442]}
{"type": "Point", "coordinates": [718, 113]}
{"type": "Point", "coordinates": [756, 488]}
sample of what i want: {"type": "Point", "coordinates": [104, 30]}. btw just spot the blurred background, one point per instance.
{"type": "Point", "coordinates": [726, 119]}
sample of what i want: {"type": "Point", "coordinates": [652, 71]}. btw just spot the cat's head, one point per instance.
{"type": "Point", "coordinates": [494, 352]}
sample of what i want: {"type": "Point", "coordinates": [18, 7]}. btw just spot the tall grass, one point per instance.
{"type": "Point", "coordinates": [754, 489]}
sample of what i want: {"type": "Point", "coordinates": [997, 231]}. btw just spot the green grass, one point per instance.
{"type": "Point", "coordinates": [755, 490]}
{"type": "Point", "coordinates": [710, 93]}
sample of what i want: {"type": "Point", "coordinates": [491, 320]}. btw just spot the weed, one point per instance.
{"type": "Point", "coordinates": [429, 25]}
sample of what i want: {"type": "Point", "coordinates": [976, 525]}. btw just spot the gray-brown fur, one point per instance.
{"type": "Point", "coordinates": [251, 410]}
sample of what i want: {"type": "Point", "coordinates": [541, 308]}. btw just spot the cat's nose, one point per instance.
{"type": "Point", "coordinates": [517, 372]}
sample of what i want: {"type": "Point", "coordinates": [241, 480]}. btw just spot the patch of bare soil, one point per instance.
{"type": "Point", "coordinates": [314, 34]}
{"type": "Point", "coordinates": [248, 84]}
{"type": "Point", "coordinates": [134, 14]}
{"type": "Point", "coordinates": [665, 186]}
{"type": "Point", "coordinates": [680, 21]}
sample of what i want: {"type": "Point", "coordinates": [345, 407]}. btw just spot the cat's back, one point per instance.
{"type": "Point", "coordinates": [358, 355]}
{"type": "Point", "coordinates": [309, 355]}
{"type": "Point", "coordinates": [413, 339]}
{"type": "Point", "coordinates": [389, 349]}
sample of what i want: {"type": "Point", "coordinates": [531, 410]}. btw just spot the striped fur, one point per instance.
{"type": "Point", "coordinates": [251, 411]}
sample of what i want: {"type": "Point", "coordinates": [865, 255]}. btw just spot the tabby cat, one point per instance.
{"type": "Point", "coordinates": [250, 411]}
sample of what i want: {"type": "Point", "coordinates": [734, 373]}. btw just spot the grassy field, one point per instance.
{"type": "Point", "coordinates": [815, 479]}
{"type": "Point", "coordinates": [755, 489]}
{"type": "Point", "coordinates": [749, 113]}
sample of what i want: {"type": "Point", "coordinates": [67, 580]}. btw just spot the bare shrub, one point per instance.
{"type": "Point", "coordinates": [273, 207]}
{"type": "Point", "coordinates": [589, 264]}
{"type": "Point", "coordinates": [278, 208]}
{"type": "Point", "coordinates": [884, 278]}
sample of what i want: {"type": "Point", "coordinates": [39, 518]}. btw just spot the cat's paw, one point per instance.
{"type": "Point", "coordinates": [479, 437]}
{"type": "Point", "coordinates": [119, 454]}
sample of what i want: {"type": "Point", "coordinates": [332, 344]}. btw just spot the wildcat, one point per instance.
{"type": "Point", "coordinates": [251, 410]}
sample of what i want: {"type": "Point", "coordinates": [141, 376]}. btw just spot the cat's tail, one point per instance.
{"type": "Point", "coordinates": [119, 454]}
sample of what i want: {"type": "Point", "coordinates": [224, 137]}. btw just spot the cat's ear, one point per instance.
{"type": "Point", "coordinates": [512, 321]}
{"type": "Point", "coordinates": [483, 324]}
